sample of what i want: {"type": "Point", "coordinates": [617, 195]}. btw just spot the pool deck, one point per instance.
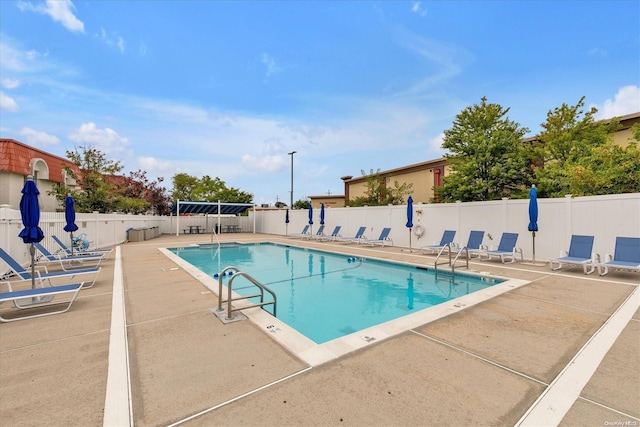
{"type": "Point", "coordinates": [562, 349]}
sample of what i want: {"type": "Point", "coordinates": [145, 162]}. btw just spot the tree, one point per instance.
{"type": "Point", "coordinates": [302, 204]}
{"type": "Point", "coordinates": [378, 193]}
{"type": "Point", "coordinates": [154, 196]}
{"type": "Point", "coordinates": [578, 156]}
{"type": "Point", "coordinates": [206, 189]}
{"type": "Point", "coordinates": [487, 158]}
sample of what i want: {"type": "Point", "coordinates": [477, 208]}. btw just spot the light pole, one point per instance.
{"type": "Point", "coordinates": [291, 192]}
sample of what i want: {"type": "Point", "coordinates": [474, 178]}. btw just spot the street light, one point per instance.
{"type": "Point", "coordinates": [291, 192]}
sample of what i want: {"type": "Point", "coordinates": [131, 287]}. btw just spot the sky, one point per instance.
{"type": "Point", "coordinates": [228, 88]}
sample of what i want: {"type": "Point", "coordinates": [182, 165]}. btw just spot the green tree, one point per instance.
{"type": "Point", "coordinates": [577, 155]}
{"type": "Point", "coordinates": [486, 154]}
{"type": "Point", "coordinates": [206, 189]}
{"type": "Point", "coordinates": [379, 193]}
{"type": "Point", "coordinates": [302, 204]}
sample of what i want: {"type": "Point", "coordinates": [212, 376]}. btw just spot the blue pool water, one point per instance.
{"type": "Point", "coordinates": [325, 295]}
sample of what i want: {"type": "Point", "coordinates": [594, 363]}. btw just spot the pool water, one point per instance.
{"type": "Point", "coordinates": [325, 295]}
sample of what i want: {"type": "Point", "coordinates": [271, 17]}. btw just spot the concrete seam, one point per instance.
{"type": "Point", "coordinates": [118, 410]}
{"type": "Point", "coordinates": [477, 356]}
{"type": "Point", "coordinates": [554, 403]}
{"type": "Point", "coordinates": [213, 408]}
{"type": "Point", "coordinates": [593, 402]}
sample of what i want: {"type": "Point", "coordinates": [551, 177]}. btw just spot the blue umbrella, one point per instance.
{"type": "Point", "coordinates": [311, 219]}
{"type": "Point", "coordinates": [533, 217]}
{"type": "Point", "coordinates": [70, 217]}
{"type": "Point", "coordinates": [286, 221]}
{"type": "Point", "coordinates": [410, 218]}
{"type": "Point", "coordinates": [30, 213]}
{"type": "Point", "coordinates": [322, 214]}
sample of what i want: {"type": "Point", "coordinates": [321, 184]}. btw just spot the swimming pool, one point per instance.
{"type": "Point", "coordinates": [325, 295]}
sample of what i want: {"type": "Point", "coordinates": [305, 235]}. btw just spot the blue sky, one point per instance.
{"type": "Point", "coordinates": [228, 88]}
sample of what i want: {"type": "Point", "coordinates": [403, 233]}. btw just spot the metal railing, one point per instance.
{"type": "Point", "coordinates": [238, 273]}
{"type": "Point", "coordinates": [451, 262]}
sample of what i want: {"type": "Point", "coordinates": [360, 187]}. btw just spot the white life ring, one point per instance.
{"type": "Point", "coordinates": [418, 230]}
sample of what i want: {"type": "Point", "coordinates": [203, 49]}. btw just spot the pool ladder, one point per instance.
{"type": "Point", "coordinates": [449, 261]}
{"type": "Point", "coordinates": [238, 273]}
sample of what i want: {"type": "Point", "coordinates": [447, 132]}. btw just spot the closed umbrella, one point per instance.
{"type": "Point", "coordinates": [30, 213]}
{"type": "Point", "coordinates": [533, 217]}
{"type": "Point", "coordinates": [286, 221]}
{"type": "Point", "coordinates": [311, 219]}
{"type": "Point", "coordinates": [322, 214]}
{"type": "Point", "coordinates": [410, 218]}
{"type": "Point", "coordinates": [70, 217]}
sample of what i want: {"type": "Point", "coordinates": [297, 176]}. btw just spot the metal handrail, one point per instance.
{"type": "Point", "coordinates": [229, 299]}
{"type": "Point", "coordinates": [435, 264]}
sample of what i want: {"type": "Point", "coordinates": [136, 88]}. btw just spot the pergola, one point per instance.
{"type": "Point", "coordinates": [209, 208]}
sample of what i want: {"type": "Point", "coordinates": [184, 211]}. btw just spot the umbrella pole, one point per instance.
{"type": "Point", "coordinates": [32, 251]}
{"type": "Point", "coordinates": [72, 243]}
{"type": "Point", "coordinates": [410, 240]}
{"type": "Point", "coordinates": [533, 233]}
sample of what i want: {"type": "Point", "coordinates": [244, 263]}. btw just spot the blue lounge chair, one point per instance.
{"type": "Point", "coordinates": [23, 274]}
{"type": "Point", "coordinates": [447, 238]}
{"type": "Point", "coordinates": [506, 249]}
{"type": "Point", "coordinates": [580, 253]}
{"type": "Point", "coordinates": [38, 297]}
{"type": "Point", "coordinates": [355, 239]}
{"type": "Point", "coordinates": [625, 258]}
{"type": "Point", "coordinates": [302, 234]}
{"type": "Point", "coordinates": [335, 234]}
{"type": "Point", "coordinates": [63, 248]}
{"type": "Point", "coordinates": [382, 240]}
{"type": "Point", "coordinates": [319, 234]}
{"type": "Point", "coordinates": [67, 260]}
{"type": "Point", "coordinates": [474, 245]}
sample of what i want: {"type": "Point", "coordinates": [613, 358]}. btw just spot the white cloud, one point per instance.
{"type": "Point", "coordinates": [112, 40]}
{"type": "Point", "coordinates": [37, 138]}
{"type": "Point", "coordinates": [7, 103]}
{"type": "Point", "coordinates": [59, 10]}
{"type": "Point", "coordinates": [10, 83]}
{"type": "Point", "coordinates": [154, 166]}
{"type": "Point", "coordinates": [270, 63]}
{"type": "Point", "coordinates": [106, 140]}
{"type": "Point", "coordinates": [418, 9]}
{"type": "Point", "coordinates": [626, 101]}
{"type": "Point", "coordinates": [264, 163]}
{"type": "Point", "coordinates": [435, 144]}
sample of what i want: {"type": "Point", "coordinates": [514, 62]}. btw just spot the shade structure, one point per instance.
{"type": "Point", "coordinates": [30, 213]}
{"type": "Point", "coordinates": [410, 218]}
{"type": "Point", "coordinates": [533, 217]}
{"type": "Point", "coordinates": [70, 217]}
{"type": "Point", "coordinates": [322, 214]}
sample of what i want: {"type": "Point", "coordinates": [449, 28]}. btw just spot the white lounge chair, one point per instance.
{"type": "Point", "coordinates": [38, 297]}
{"type": "Point", "coordinates": [304, 233]}
{"type": "Point", "coordinates": [507, 249]}
{"type": "Point", "coordinates": [319, 234]}
{"type": "Point", "coordinates": [355, 239]}
{"type": "Point", "coordinates": [382, 240]}
{"type": "Point", "coordinates": [335, 234]}
{"type": "Point", "coordinates": [65, 249]}
{"type": "Point", "coordinates": [23, 274]}
{"type": "Point", "coordinates": [474, 245]}
{"type": "Point", "coordinates": [447, 237]}
{"type": "Point", "coordinates": [580, 253]}
{"type": "Point", "coordinates": [67, 261]}
{"type": "Point", "coordinates": [626, 256]}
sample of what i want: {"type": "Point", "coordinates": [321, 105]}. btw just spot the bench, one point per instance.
{"type": "Point", "coordinates": [39, 297]}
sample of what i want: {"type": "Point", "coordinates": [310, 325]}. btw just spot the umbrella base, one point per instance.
{"type": "Point", "coordinates": [27, 302]}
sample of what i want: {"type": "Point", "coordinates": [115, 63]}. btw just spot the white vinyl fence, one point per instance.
{"type": "Point", "coordinates": [604, 217]}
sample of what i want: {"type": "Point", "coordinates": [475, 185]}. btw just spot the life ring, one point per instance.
{"type": "Point", "coordinates": [418, 230]}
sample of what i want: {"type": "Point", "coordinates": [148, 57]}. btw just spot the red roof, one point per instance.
{"type": "Point", "coordinates": [16, 157]}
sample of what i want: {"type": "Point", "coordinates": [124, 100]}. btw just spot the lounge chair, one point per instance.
{"type": "Point", "coordinates": [23, 274]}
{"type": "Point", "coordinates": [67, 261]}
{"type": "Point", "coordinates": [580, 253]}
{"type": "Point", "coordinates": [355, 239]}
{"type": "Point", "coordinates": [625, 258]}
{"type": "Point", "coordinates": [319, 234]}
{"type": "Point", "coordinates": [304, 233]}
{"type": "Point", "coordinates": [38, 297]}
{"type": "Point", "coordinates": [447, 237]}
{"type": "Point", "coordinates": [474, 245]}
{"type": "Point", "coordinates": [335, 234]}
{"type": "Point", "coordinates": [66, 250]}
{"type": "Point", "coordinates": [506, 249]}
{"type": "Point", "coordinates": [382, 240]}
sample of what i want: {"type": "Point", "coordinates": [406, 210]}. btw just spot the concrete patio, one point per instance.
{"type": "Point", "coordinates": [560, 350]}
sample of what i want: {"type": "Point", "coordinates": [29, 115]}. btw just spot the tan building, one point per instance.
{"type": "Point", "coordinates": [427, 175]}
